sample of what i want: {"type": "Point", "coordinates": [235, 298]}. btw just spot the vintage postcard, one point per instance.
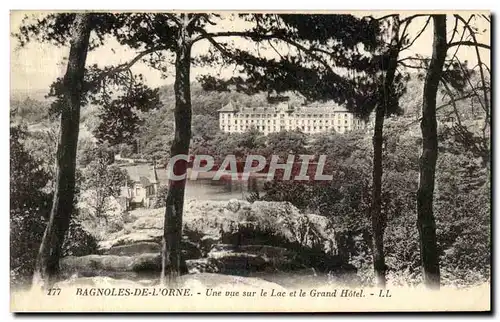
{"type": "Point", "coordinates": [170, 161]}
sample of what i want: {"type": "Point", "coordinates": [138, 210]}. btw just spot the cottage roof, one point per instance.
{"type": "Point", "coordinates": [148, 172]}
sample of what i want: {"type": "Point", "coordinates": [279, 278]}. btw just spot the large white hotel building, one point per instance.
{"type": "Point", "coordinates": [310, 119]}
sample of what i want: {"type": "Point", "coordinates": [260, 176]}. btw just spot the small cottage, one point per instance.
{"type": "Point", "coordinates": [144, 187]}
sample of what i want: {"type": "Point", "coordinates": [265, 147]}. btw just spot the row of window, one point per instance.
{"type": "Point", "coordinates": [282, 122]}
{"type": "Point", "coordinates": [274, 128]}
{"type": "Point", "coordinates": [228, 115]}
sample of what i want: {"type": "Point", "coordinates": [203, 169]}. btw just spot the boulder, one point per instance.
{"type": "Point", "coordinates": [252, 258]}
{"type": "Point", "coordinates": [217, 248]}
{"type": "Point", "coordinates": [97, 265]}
{"type": "Point", "coordinates": [234, 263]}
{"type": "Point", "coordinates": [146, 263]}
{"type": "Point", "coordinates": [122, 238]}
{"type": "Point", "coordinates": [270, 223]}
{"type": "Point", "coordinates": [268, 235]}
{"type": "Point", "coordinates": [127, 267]}
{"type": "Point", "coordinates": [263, 250]}
{"type": "Point", "coordinates": [233, 205]}
{"type": "Point", "coordinates": [201, 265]}
{"type": "Point", "coordinates": [276, 257]}
{"type": "Point", "coordinates": [190, 250]}
{"type": "Point", "coordinates": [263, 222]}
{"type": "Point", "coordinates": [208, 217]}
{"type": "Point", "coordinates": [150, 222]}
{"type": "Point", "coordinates": [207, 242]}
{"type": "Point", "coordinates": [122, 275]}
{"type": "Point", "coordinates": [134, 248]}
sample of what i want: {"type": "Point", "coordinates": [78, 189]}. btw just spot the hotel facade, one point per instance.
{"type": "Point", "coordinates": [308, 119]}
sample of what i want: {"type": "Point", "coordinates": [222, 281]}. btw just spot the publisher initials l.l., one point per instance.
{"type": "Point", "coordinates": [384, 293]}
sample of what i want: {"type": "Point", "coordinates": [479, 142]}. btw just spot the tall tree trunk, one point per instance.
{"type": "Point", "coordinates": [172, 230]}
{"type": "Point", "coordinates": [425, 217]}
{"type": "Point", "coordinates": [378, 222]}
{"type": "Point", "coordinates": [378, 219]}
{"type": "Point", "coordinates": [47, 262]}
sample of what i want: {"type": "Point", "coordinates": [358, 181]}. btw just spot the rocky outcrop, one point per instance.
{"type": "Point", "coordinates": [281, 219]}
{"type": "Point", "coordinates": [94, 265]}
{"type": "Point", "coordinates": [127, 237]}
{"type": "Point", "coordinates": [134, 248]}
{"type": "Point", "coordinates": [212, 219]}
{"type": "Point", "coordinates": [190, 250]}
{"type": "Point", "coordinates": [233, 205]}
{"type": "Point", "coordinates": [232, 259]}
{"type": "Point", "coordinates": [235, 237]}
{"type": "Point", "coordinates": [202, 265]}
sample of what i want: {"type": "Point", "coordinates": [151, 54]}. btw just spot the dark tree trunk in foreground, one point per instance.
{"type": "Point", "coordinates": [47, 262]}
{"type": "Point", "coordinates": [425, 217]}
{"type": "Point", "coordinates": [378, 222]}
{"type": "Point", "coordinates": [378, 219]}
{"type": "Point", "coordinates": [172, 231]}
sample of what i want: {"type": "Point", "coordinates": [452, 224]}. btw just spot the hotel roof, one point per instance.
{"type": "Point", "coordinates": [228, 108]}
{"type": "Point", "coordinates": [313, 108]}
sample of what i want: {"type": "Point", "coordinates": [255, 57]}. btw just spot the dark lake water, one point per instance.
{"type": "Point", "coordinates": [203, 188]}
{"type": "Point", "coordinates": [207, 189]}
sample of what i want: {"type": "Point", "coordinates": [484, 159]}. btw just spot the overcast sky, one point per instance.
{"type": "Point", "coordinates": [36, 66]}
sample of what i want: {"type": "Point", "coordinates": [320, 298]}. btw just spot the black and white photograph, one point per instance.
{"type": "Point", "coordinates": [239, 161]}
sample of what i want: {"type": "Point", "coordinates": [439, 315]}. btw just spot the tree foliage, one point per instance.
{"type": "Point", "coordinates": [340, 58]}
{"type": "Point", "coordinates": [102, 181]}
{"type": "Point", "coordinates": [462, 203]}
{"type": "Point", "coordinates": [30, 204]}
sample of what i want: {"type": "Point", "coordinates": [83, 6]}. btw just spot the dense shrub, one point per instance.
{"type": "Point", "coordinates": [463, 212]}
{"type": "Point", "coordinates": [461, 203]}
{"type": "Point", "coordinates": [30, 204]}
{"type": "Point", "coordinates": [159, 199]}
{"type": "Point", "coordinates": [78, 241]}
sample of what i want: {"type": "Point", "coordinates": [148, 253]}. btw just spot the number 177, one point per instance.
{"type": "Point", "coordinates": [54, 291]}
